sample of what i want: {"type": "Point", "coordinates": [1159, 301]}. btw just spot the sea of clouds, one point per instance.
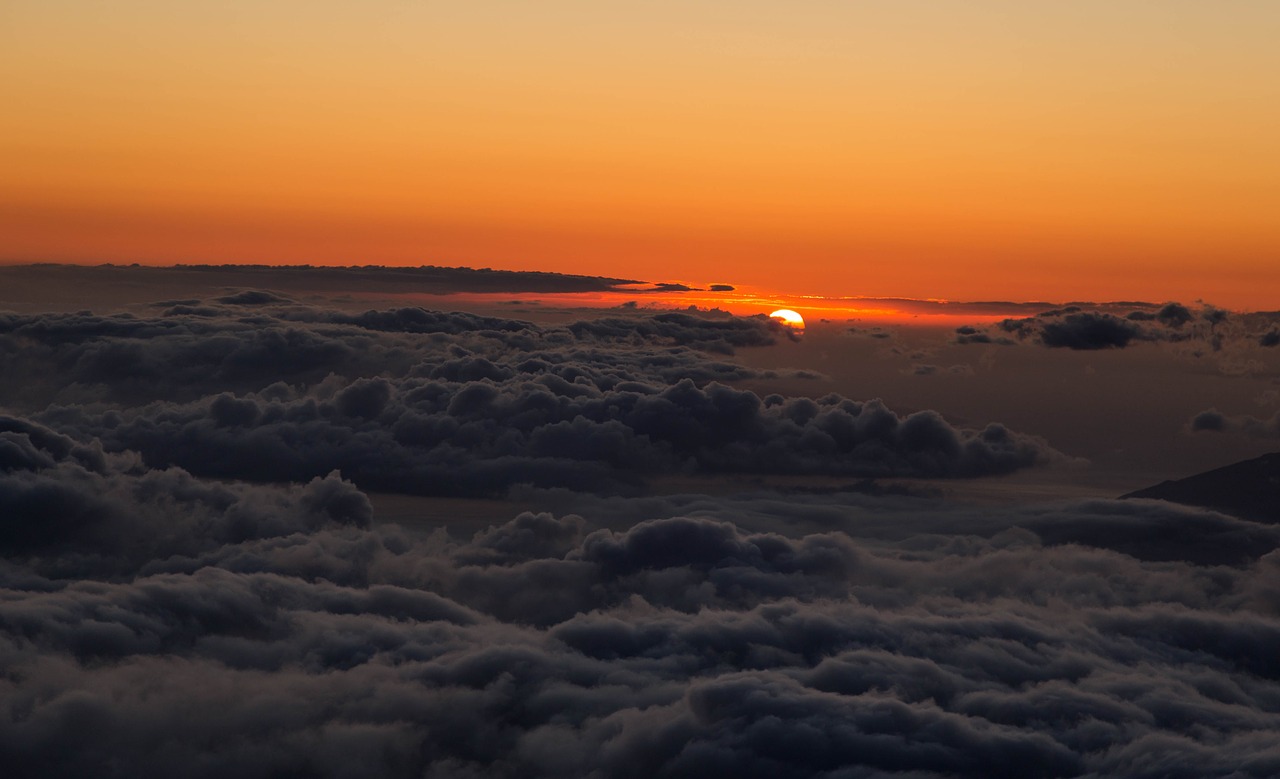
{"type": "Point", "coordinates": [195, 583]}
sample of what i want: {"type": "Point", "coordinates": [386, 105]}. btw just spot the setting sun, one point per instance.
{"type": "Point", "coordinates": [789, 318]}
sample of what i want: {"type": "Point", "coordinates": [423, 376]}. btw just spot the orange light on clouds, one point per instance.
{"type": "Point", "coordinates": [1000, 150]}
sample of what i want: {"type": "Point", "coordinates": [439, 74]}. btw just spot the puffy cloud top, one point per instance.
{"type": "Point", "coordinates": [155, 623]}
{"type": "Point", "coordinates": [424, 402]}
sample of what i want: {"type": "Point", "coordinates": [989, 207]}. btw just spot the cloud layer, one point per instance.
{"type": "Point", "coordinates": [409, 400]}
{"type": "Point", "coordinates": [153, 623]}
{"type": "Point", "coordinates": [193, 581]}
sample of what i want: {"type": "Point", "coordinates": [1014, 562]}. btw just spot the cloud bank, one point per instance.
{"type": "Point", "coordinates": [154, 623]}
{"type": "Point", "coordinates": [193, 581]}
{"type": "Point", "coordinates": [407, 400]}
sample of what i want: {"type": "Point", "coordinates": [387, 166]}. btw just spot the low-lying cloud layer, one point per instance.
{"type": "Point", "coordinates": [415, 401]}
{"type": "Point", "coordinates": [152, 623]}
{"type": "Point", "coordinates": [193, 581]}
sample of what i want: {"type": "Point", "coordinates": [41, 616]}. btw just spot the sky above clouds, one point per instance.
{"type": "Point", "coordinates": [968, 151]}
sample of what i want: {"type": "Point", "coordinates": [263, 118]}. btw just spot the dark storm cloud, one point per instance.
{"type": "Point", "coordinates": [274, 631]}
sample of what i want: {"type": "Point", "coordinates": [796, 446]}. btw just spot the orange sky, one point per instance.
{"type": "Point", "coordinates": [1084, 150]}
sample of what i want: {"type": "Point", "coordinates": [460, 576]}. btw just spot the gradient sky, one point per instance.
{"type": "Point", "coordinates": [982, 150]}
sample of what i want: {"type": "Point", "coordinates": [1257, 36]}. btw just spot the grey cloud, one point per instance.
{"type": "Point", "coordinates": [721, 334]}
{"type": "Point", "coordinates": [107, 513]}
{"type": "Point", "coordinates": [424, 402]}
{"type": "Point", "coordinates": [1159, 531]}
{"type": "Point", "coordinates": [1212, 420]}
{"type": "Point", "coordinates": [1090, 327]}
{"type": "Point", "coordinates": [1086, 331]}
{"type": "Point", "coordinates": [908, 639]}
{"type": "Point", "coordinates": [431, 437]}
{"type": "Point", "coordinates": [1174, 315]}
{"type": "Point", "coordinates": [187, 352]}
{"type": "Point", "coordinates": [1076, 330]}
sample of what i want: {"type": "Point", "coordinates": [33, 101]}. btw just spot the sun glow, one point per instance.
{"type": "Point", "coordinates": [789, 318]}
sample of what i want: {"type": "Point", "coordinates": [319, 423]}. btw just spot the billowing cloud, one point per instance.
{"type": "Point", "coordinates": [101, 511]}
{"type": "Point", "coordinates": [415, 401]}
{"type": "Point", "coordinates": [1174, 315]}
{"type": "Point", "coordinates": [188, 351]}
{"type": "Point", "coordinates": [1076, 330]}
{"type": "Point", "coordinates": [210, 628]}
{"type": "Point", "coordinates": [437, 437]}
{"type": "Point", "coordinates": [193, 581]}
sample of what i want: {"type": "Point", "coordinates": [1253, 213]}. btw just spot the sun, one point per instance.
{"type": "Point", "coordinates": [789, 318]}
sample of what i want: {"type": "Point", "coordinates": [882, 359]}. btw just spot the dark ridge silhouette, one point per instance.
{"type": "Point", "coordinates": [669, 286]}
{"type": "Point", "coordinates": [1249, 489]}
{"type": "Point", "coordinates": [315, 278]}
